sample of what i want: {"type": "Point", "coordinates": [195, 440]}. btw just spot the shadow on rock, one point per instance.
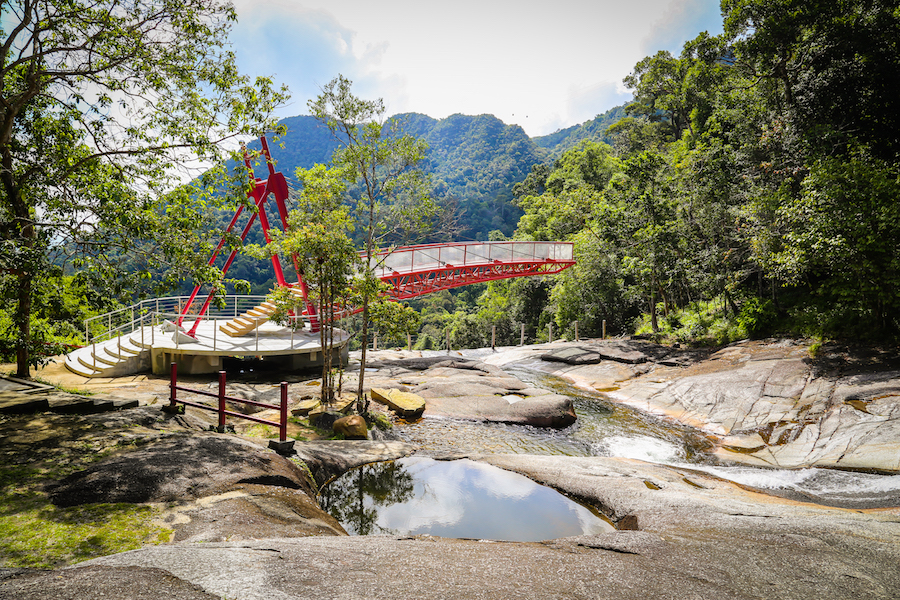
{"type": "Point", "coordinates": [183, 469]}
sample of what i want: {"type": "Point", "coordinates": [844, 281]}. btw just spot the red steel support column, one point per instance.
{"type": "Point", "coordinates": [173, 381]}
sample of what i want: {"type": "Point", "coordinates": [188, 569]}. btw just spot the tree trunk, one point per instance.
{"type": "Point", "coordinates": [360, 403]}
{"type": "Point", "coordinates": [23, 325]}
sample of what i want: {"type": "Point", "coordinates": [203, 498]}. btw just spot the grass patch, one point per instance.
{"type": "Point", "coordinates": [64, 388]}
{"type": "Point", "coordinates": [37, 534]}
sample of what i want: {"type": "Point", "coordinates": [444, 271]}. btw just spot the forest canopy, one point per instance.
{"type": "Point", "coordinates": [757, 171]}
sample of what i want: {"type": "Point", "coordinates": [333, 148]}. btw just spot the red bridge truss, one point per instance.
{"type": "Point", "coordinates": [417, 270]}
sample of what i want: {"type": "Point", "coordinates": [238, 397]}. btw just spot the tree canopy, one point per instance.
{"type": "Point", "coordinates": [758, 171]}
{"type": "Point", "coordinates": [105, 107]}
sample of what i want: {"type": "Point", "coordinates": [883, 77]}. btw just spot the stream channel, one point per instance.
{"type": "Point", "coordinates": [467, 499]}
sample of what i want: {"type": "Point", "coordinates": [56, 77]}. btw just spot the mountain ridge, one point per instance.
{"type": "Point", "coordinates": [476, 159]}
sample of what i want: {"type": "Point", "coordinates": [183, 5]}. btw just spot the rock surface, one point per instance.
{"type": "Point", "coordinates": [766, 404]}
{"type": "Point", "coordinates": [404, 404]}
{"type": "Point", "coordinates": [469, 389]}
{"type": "Point", "coordinates": [215, 487]}
{"type": "Point", "coordinates": [698, 537]}
{"type": "Point", "coordinates": [682, 533]}
{"type": "Point", "coordinates": [352, 427]}
{"type": "Point", "coordinates": [328, 459]}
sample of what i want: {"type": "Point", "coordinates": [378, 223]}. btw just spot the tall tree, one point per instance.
{"type": "Point", "coordinates": [382, 163]}
{"type": "Point", "coordinates": [319, 237]}
{"type": "Point", "coordinates": [101, 102]}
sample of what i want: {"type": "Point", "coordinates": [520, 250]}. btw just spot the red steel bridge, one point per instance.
{"type": "Point", "coordinates": [410, 271]}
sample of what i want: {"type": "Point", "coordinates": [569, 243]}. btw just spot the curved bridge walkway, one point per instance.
{"type": "Point", "coordinates": [417, 270]}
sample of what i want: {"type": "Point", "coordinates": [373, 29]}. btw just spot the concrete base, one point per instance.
{"type": "Point", "coordinates": [199, 364]}
{"type": "Point", "coordinates": [284, 448]}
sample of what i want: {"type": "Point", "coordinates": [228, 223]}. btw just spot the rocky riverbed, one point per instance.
{"type": "Point", "coordinates": [244, 522]}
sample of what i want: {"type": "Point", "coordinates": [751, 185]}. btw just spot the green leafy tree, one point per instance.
{"type": "Point", "coordinates": [319, 236]}
{"type": "Point", "coordinates": [387, 187]}
{"type": "Point", "coordinates": [100, 103]}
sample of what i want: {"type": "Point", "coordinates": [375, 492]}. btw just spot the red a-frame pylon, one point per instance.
{"type": "Point", "coordinates": [275, 184]}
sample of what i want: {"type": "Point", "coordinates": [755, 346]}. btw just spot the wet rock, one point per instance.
{"type": "Point", "coordinates": [576, 355]}
{"type": "Point", "coordinates": [768, 403]}
{"type": "Point", "coordinates": [352, 427]}
{"type": "Point", "coordinates": [404, 404]}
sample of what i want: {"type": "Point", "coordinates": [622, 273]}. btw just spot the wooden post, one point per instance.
{"type": "Point", "coordinates": [448, 340]}
{"type": "Point", "coordinates": [493, 336]}
{"type": "Point", "coordinates": [374, 340]}
{"type": "Point", "coordinates": [604, 329]}
{"type": "Point", "coordinates": [576, 331]}
{"type": "Point", "coordinates": [550, 328]}
{"type": "Point", "coordinates": [408, 341]}
{"type": "Point", "coordinates": [522, 338]}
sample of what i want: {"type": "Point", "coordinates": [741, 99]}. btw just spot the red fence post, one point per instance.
{"type": "Point", "coordinates": [173, 381]}
{"type": "Point", "coordinates": [221, 401]}
{"type": "Point", "coordinates": [172, 407]}
{"type": "Point", "coordinates": [282, 430]}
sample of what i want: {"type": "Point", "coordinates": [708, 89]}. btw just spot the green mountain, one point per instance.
{"type": "Point", "coordinates": [561, 140]}
{"type": "Point", "coordinates": [475, 159]}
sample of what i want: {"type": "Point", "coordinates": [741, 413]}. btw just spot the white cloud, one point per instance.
{"type": "Point", "coordinates": [541, 65]}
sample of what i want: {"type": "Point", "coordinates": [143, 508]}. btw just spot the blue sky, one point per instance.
{"type": "Point", "coordinates": [542, 65]}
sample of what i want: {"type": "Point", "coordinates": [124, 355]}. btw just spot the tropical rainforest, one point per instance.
{"type": "Point", "coordinates": [751, 188]}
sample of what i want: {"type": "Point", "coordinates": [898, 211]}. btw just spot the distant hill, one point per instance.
{"type": "Point", "coordinates": [476, 159]}
{"type": "Point", "coordinates": [558, 142]}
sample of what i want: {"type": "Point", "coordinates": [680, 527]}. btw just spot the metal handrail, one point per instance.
{"type": "Point", "coordinates": [127, 320]}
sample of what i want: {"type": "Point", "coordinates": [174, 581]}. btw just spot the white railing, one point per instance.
{"type": "Point", "coordinates": [213, 341]}
{"type": "Point", "coordinates": [129, 319]}
{"type": "Point", "coordinates": [465, 254]}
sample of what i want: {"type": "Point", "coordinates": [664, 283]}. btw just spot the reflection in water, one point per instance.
{"type": "Point", "coordinates": [458, 499]}
{"type": "Point", "coordinates": [355, 498]}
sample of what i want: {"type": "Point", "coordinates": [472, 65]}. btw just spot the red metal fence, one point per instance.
{"type": "Point", "coordinates": [223, 412]}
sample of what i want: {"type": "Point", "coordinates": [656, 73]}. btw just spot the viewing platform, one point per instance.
{"type": "Point", "coordinates": [144, 337]}
{"type": "Point", "coordinates": [417, 270]}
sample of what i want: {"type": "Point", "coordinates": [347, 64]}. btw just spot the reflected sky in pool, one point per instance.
{"type": "Point", "coordinates": [456, 499]}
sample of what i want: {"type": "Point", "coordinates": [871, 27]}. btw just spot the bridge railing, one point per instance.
{"type": "Point", "coordinates": [428, 257]}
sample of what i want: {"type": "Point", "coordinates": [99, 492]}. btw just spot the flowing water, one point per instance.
{"type": "Point", "coordinates": [603, 428]}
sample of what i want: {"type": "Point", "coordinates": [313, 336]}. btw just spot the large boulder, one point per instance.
{"type": "Point", "coordinates": [352, 427]}
{"type": "Point", "coordinates": [188, 467]}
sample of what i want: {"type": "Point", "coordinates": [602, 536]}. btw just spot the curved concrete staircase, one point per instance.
{"type": "Point", "coordinates": [122, 355]}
